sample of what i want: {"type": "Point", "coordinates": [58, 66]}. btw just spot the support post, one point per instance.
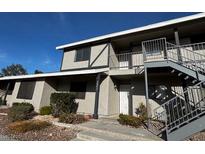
{"type": "Point", "coordinates": [186, 96]}
{"type": "Point", "coordinates": [176, 36]}
{"type": "Point", "coordinates": [147, 98]}
{"type": "Point", "coordinates": [7, 89]}
{"type": "Point", "coordinates": [130, 106]}
{"type": "Point", "coordinates": [95, 115]}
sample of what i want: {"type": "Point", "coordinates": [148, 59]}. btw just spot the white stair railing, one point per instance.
{"type": "Point", "coordinates": [186, 57]}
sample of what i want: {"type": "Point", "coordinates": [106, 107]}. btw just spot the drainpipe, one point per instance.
{"type": "Point", "coordinates": [176, 36]}
{"type": "Point", "coordinates": [95, 115]}
{"type": "Point", "coordinates": [147, 97]}
{"type": "Point", "coordinates": [7, 89]}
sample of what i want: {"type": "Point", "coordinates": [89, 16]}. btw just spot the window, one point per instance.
{"type": "Point", "coordinates": [26, 90]}
{"type": "Point", "coordinates": [82, 54]}
{"type": "Point", "coordinates": [79, 88]}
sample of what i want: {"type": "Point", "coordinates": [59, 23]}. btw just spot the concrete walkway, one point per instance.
{"type": "Point", "coordinates": [5, 138]}
{"type": "Point", "coordinates": [110, 130]}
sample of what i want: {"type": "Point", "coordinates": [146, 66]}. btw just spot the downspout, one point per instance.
{"type": "Point", "coordinates": [146, 87]}
{"type": "Point", "coordinates": [147, 97]}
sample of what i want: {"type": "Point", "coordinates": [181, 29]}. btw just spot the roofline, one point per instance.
{"type": "Point", "coordinates": [55, 74]}
{"type": "Point", "coordinates": [134, 30]}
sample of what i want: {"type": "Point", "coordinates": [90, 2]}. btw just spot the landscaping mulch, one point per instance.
{"type": "Point", "coordinates": [197, 137]}
{"type": "Point", "coordinates": [50, 133]}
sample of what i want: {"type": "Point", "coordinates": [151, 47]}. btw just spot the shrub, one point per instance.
{"type": "Point", "coordinates": [28, 125]}
{"type": "Point", "coordinates": [62, 103]}
{"type": "Point", "coordinates": [141, 111]}
{"type": "Point", "coordinates": [46, 110]}
{"type": "Point", "coordinates": [21, 111]}
{"type": "Point", "coordinates": [130, 120]}
{"type": "Point", "coordinates": [72, 118]}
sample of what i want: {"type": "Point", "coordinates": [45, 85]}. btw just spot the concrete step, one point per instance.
{"type": "Point", "coordinates": [77, 139]}
{"type": "Point", "coordinates": [97, 136]}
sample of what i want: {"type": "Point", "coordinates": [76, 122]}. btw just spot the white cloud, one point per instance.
{"type": "Point", "coordinates": [3, 55]}
{"type": "Point", "coordinates": [47, 61]}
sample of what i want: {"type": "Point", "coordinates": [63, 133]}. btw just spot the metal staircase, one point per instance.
{"type": "Point", "coordinates": [184, 114]}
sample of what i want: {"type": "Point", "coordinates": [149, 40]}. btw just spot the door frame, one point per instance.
{"type": "Point", "coordinates": [130, 110]}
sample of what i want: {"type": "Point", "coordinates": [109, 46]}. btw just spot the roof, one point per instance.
{"type": "Point", "coordinates": [134, 30]}
{"type": "Point", "coordinates": [43, 75]}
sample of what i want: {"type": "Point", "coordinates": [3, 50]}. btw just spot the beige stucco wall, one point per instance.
{"type": "Point", "coordinates": [103, 97]}
{"type": "Point", "coordinates": [113, 98]}
{"type": "Point", "coordinates": [35, 101]}
{"type": "Point", "coordinates": [48, 89]}
{"type": "Point", "coordinates": [86, 106]}
{"type": "Point", "coordinates": [98, 57]}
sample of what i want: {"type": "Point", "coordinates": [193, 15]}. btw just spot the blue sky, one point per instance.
{"type": "Point", "coordinates": [30, 38]}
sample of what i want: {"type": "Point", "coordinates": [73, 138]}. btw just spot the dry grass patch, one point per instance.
{"type": "Point", "coordinates": [28, 125]}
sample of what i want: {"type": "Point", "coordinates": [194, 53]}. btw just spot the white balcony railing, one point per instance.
{"type": "Point", "coordinates": [156, 50]}
{"type": "Point", "coordinates": [127, 60]}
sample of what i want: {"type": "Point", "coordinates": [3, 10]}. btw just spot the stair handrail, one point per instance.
{"type": "Point", "coordinates": [183, 47]}
{"type": "Point", "coordinates": [195, 67]}
{"type": "Point", "coordinates": [164, 112]}
{"type": "Point", "coordinates": [183, 93]}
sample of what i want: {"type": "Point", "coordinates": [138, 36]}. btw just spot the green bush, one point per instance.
{"type": "Point", "coordinates": [46, 110]}
{"type": "Point", "coordinates": [62, 103]}
{"type": "Point", "coordinates": [141, 111]}
{"type": "Point", "coordinates": [21, 111]}
{"type": "Point", "coordinates": [130, 120]}
{"type": "Point", "coordinates": [28, 125]}
{"type": "Point", "coordinates": [72, 118]}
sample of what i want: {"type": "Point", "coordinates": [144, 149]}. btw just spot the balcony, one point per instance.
{"type": "Point", "coordinates": [128, 63]}
{"type": "Point", "coordinates": [128, 60]}
{"type": "Point", "coordinates": [158, 50]}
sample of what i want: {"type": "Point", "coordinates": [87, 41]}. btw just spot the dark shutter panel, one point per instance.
{"type": "Point", "coordinates": [79, 88]}
{"type": "Point", "coordinates": [82, 54]}
{"type": "Point", "coordinates": [26, 90]}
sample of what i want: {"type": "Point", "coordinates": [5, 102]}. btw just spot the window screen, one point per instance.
{"type": "Point", "coordinates": [26, 90]}
{"type": "Point", "coordinates": [79, 89]}
{"type": "Point", "coordinates": [82, 54]}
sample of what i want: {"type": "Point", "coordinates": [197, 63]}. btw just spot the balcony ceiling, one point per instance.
{"type": "Point", "coordinates": [185, 30]}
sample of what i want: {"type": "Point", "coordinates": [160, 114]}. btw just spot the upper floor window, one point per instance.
{"type": "Point", "coordinates": [82, 54]}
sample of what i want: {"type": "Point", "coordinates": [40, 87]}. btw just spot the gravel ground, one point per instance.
{"type": "Point", "coordinates": [51, 133]}
{"type": "Point", "coordinates": [197, 137]}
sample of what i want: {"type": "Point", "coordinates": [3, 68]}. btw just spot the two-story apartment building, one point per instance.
{"type": "Point", "coordinates": [161, 65]}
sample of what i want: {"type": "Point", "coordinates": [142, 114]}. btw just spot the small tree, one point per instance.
{"type": "Point", "coordinates": [13, 70]}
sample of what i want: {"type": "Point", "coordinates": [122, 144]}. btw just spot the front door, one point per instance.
{"type": "Point", "coordinates": [124, 98]}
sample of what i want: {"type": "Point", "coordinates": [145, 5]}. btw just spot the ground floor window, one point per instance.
{"type": "Point", "coordinates": [79, 89]}
{"type": "Point", "coordinates": [26, 90]}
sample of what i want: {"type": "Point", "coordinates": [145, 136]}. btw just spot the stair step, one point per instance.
{"type": "Point", "coordinates": [186, 78]}
{"type": "Point", "coordinates": [180, 74]}
{"type": "Point", "coordinates": [97, 136]}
